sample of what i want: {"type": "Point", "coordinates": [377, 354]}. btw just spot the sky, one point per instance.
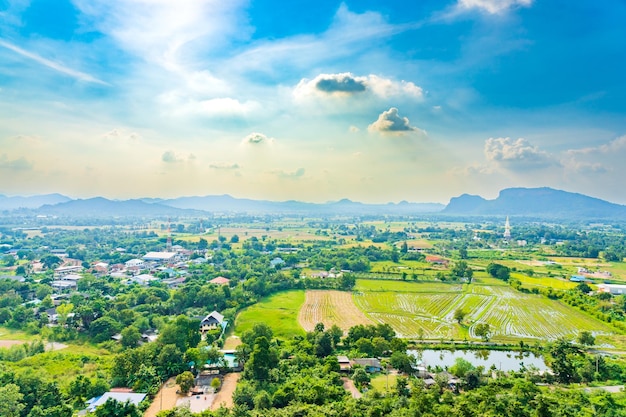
{"type": "Point", "coordinates": [313, 101]}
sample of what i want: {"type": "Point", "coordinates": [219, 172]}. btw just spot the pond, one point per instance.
{"type": "Point", "coordinates": [502, 359]}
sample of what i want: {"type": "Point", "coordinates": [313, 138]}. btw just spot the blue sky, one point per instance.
{"type": "Point", "coordinates": [368, 100]}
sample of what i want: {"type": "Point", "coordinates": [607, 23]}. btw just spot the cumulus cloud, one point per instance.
{"type": "Point", "coordinates": [492, 6]}
{"type": "Point", "coordinates": [256, 138]}
{"type": "Point", "coordinates": [390, 122]}
{"type": "Point", "coordinates": [224, 165]}
{"type": "Point", "coordinates": [516, 154]}
{"type": "Point", "coordinates": [19, 164]}
{"type": "Point", "coordinates": [346, 84]}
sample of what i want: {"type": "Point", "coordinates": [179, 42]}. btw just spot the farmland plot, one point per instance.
{"type": "Point", "coordinates": [428, 309]}
{"type": "Point", "coordinates": [330, 307]}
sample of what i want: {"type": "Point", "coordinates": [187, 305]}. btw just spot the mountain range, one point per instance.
{"type": "Point", "coordinates": [536, 202]}
{"type": "Point", "coordinates": [530, 202]}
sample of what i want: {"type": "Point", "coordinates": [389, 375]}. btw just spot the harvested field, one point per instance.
{"type": "Point", "coordinates": [330, 307]}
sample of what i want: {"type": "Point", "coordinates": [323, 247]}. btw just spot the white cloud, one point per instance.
{"type": "Point", "coordinates": [492, 6]}
{"type": "Point", "coordinates": [390, 122]}
{"type": "Point", "coordinates": [81, 76]}
{"type": "Point", "coordinates": [215, 107]}
{"type": "Point", "coordinates": [346, 84]}
{"type": "Point", "coordinates": [516, 154]}
{"type": "Point", "coordinates": [257, 139]}
{"type": "Point", "coordinates": [607, 157]}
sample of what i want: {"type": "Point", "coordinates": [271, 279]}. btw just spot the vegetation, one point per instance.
{"type": "Point", "coordinates": [356, 287]}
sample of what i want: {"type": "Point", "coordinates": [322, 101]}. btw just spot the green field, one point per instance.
{"type": "Point", "coordinates": [279, 311]}
{"type": "Point", "coordinates": [426, 309]}
{"type": "Point", "coordinates": [411, 308]}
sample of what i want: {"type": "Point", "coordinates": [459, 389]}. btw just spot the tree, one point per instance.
{"type": "Point", "coordinates": [461, 367]}
{"type": "Point", "coordinates": [11, 404]}
{"type": "Point", "coordinates": [499, 271]}
{"type": "Point", "coordinates": [216, 384]}
{"type": "Point", "coordinates": [130, 337]}
{"type": "Point", "coordinates": [113, 408]}
{"type": "Point", "coordinates": [402, 362]}
{"type": "Point", "coordinates": [586, 338]}
{"type": "Point", "coordinates": [360, 377]}
{"type": "Point", "coordinates": [483, 331]}
{"type": "Point", "coordinates": [64, 311]}
{"type": "Point", "coordinates": [103, 328]}
{"type": "Point", "coordinates": [50, 261]}
{"type": "Point", "coordinates": [459, 315]}
{"type": "Point", "coordinates": [185, 381]}
{"type": "Point", "coordinates": [262, 359]}
{"type": "Point", "coordinates": [461, 269]}
{"type": "Point", "coordinates": [564, 356]}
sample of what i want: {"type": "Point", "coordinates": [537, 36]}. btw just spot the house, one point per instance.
{"type": "Point", "coordinates": [436, 260]}
{"type": "Point", "coordinates": [122, 397]}
{"type": "Point", "coordinates": [134, 263]}
{"type": "Point", "coordinates": [160, 256]}
{"type": "Point", "coordinates": [344, 363]}
{"type": "Point", "coordinates": [276, 262]}
{"type": "Point", "coordinates": [143, 279]}
{"type": "Point", "coordinates": [615, 289]}
{"type": "Point", "coordinates": [61, 285]}
{"type": "Point", "coordinates": [370, 364]}
{"type": "Point", "coordinates": [212, 321]}
{"type": "Point", "coordinates": [174, 282]}
{"type": "Point", "coordinates": [219, 281]}
{"type": "Point", "coordinates": [579, 278]}
{"type": "Point", "coordinates": [65, 270]}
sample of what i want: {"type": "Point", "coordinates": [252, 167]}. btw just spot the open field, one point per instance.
{"type": "Point", "coordinates": [279, 311]}
{"type": "Point", "coordinates": [330, 307]}
{"type": "Point", "coordinates": [428, 308]}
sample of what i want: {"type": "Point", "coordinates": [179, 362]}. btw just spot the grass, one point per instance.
{"type": "Point", "coordinates": [12, 334]}
{"type": "Point", "coordinates": [65, 365]}
{"type": "Point", "coordinates": [381, 381]}
{"type": "Point", "coordinates": [279, 311]}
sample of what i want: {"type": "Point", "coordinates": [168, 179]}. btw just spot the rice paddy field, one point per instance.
{"type": "Point", "coordinates": [425, 310]}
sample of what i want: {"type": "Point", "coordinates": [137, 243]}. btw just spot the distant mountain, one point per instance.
{"type": "Point", "coordinates": [102, 207]}
{"type": "Point", "coordinates": [33, 202]}
{"type": "Point", "coordinates": [536, 202]}
{"type": "Point", "coordinates": [227, 203]}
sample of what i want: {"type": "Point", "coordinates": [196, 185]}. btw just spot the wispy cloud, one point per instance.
{"type": "Point", "coordinates": [492, 6]}
{"type": "Point", "coordinates": [81, 76]}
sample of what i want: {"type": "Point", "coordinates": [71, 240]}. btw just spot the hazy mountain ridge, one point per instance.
{"type": "Point", "coordinates": [196, 205]}
{"type": "Point", "coordinates": [541, 202]}
{"type": "Point", "coordinates": [536, 202]}
{"type": "Point", "coordinates": [30, 202]}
